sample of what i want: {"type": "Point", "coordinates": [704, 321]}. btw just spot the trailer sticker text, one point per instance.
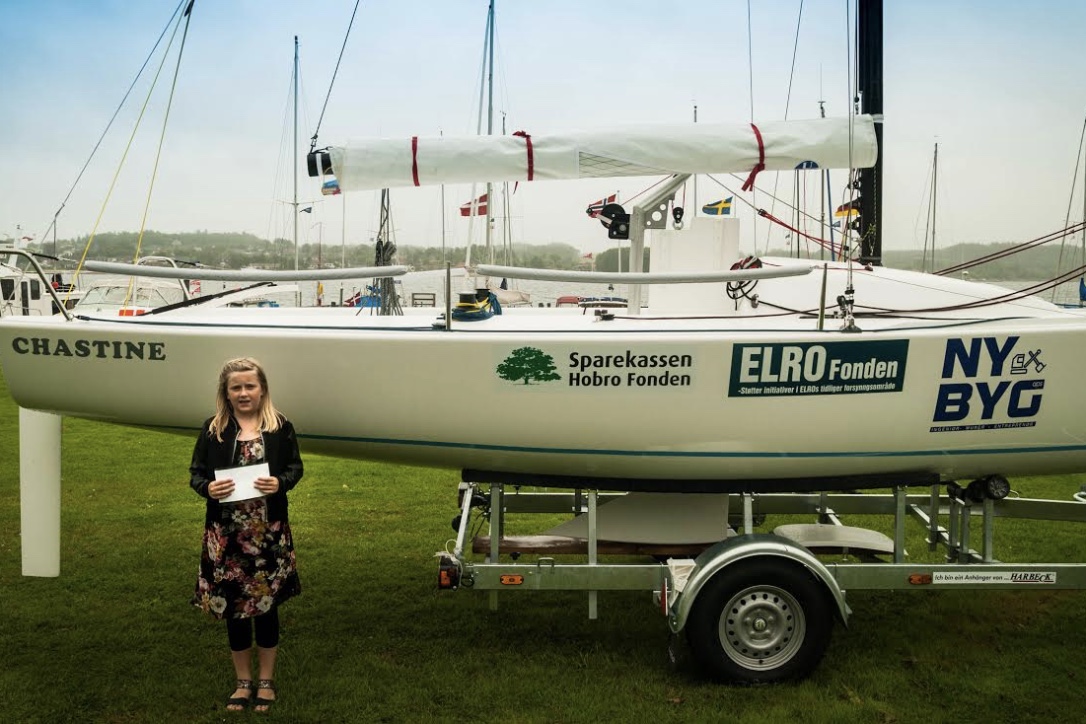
{"type": "Point", "coordinates": [1025, 578]}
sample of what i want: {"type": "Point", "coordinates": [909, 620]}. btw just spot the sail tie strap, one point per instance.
{"type": "Point", "coordinates": [749, 183]}
{"type": "Point", "coordinates": [531, 154]}
{"type": "Point", "coordinates": [415, 159]}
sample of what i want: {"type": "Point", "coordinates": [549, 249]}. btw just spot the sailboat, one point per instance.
{"type": "Point", "coordinates": [780, 375]}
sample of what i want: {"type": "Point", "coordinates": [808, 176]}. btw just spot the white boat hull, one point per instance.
{"type": "Point", "coordinates": [676, 404]}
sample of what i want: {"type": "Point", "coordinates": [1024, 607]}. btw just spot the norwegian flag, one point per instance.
{"type": "Point", "coordinates": [596, 207]}
{"type": "Point", "coordinates": [478, 204]}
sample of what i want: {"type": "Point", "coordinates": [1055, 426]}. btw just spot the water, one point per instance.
{"type": "Point", "coordinates": [1066, 293]}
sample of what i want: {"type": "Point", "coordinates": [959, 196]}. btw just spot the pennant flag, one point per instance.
{"type": "Point", "coordinates": [479, 205]}
{"type": "Point", "coordinates": [850, 209]}
{"type": "Point", "coordinates": [596, 207]}
{"type": "Point", "coordinates": [307, 210]}
{"type": "Point", "coordinates": [718, 208]}
{"type": "Point", "coordinates": [587, 256]}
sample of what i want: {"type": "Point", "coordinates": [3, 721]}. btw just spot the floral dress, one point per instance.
{"type": "Point", "coordinates": [247, 566]}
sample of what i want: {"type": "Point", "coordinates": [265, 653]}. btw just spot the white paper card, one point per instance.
{"type": "Point", "coordinates": [244, 481]}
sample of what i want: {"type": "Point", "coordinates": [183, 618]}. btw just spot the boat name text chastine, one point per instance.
{"type": "Point", "coordinates": [97, 348]}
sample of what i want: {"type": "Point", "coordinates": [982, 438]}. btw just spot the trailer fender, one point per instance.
{"type": "Point", "coordinates": [732, 550]}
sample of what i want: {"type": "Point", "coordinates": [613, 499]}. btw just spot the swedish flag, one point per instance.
{"type": "Point", "coordinates": [718, 208]}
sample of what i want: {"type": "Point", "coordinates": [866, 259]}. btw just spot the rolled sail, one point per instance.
{"type": "Point", "coordinates": [637, 151]}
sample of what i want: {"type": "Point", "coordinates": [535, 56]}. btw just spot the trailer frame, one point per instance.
{"type": "Point", "coordinates": [786, 596]}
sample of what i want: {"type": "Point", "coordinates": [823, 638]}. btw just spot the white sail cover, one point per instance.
{"type": "Point", "coordinates": [637, 151]}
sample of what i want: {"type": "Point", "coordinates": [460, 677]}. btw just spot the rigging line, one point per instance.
{"type": "Point", "coordinates": [1071, 197]}
{"type": "Point", "coordinates": [925, 193]}
{"type": "Point", "coordinates": [1040, 240]}
{"type": "Point", "coordinates": [824, 243]}
{"type": "Point", "coordinates": [331, 83]}
{"type": "Point", "coordinates": [750, 81]}
{"type": "Point", "coordinates": [1014, 295]}
{"type": "Point", "coordinates": [116, 112]}
{"type": "Point", "coordinates": [1010, 296]}
{"type": "Point", "coordinates": [650, 188]}
{"type": "Point", "coordinates": [162, 139]}
{"type": "Point", "coordinates": [750, 61]}
{"type": "Point", "coordinates": [787, 100]}
{"type": "Point", "coordinates": [928, 224]}
{"type": "Point", "coordinates": [124, 156]}
{"type": "Point", "coordinates": [272, 226]}
{"type": "Point", "coordinates": [795, 52]}
{"type": "Point", "coordinates": [853, 174]}
{"type": "Point", "coordinates": [487, 35]}
{"type": "Point", "coordinates": [751, 204]}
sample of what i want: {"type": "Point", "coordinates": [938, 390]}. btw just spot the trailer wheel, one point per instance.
{"type": "Point", "coordinates": [760, 621]}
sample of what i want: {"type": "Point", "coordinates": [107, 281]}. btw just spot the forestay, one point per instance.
{"type": "Point", "coordinates": [637, 151]}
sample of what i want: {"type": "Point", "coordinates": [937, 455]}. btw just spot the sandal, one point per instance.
{"type": "Point", "coordinates": [238, 703]}
{"type": "Point", "coordinates": [259, 703]}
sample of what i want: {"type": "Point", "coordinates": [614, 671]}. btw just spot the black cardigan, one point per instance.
{"type": "Point", "coordinates": [280, 452]}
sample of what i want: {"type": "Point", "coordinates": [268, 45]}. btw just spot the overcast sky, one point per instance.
{"type": "Point", "coordinates": [1000, 85]}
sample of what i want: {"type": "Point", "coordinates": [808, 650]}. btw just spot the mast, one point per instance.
{"type": "Point", "coordinates": [869, 33]}
{"type": "Point", "coordinates": [695, 180]}
{"type": "Point", "coordinates": [490, 126]}
{"type": "Point", "coordinates": [826, 198]}
{"type": "Point", "coordinates": [934, 197]}
{"type": "Point", "coordinates": [295, 153]}
{"type": "Point", "coordinates": [929, 221]}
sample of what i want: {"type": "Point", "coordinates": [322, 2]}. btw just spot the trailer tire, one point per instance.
{"type": "Point", "coordinates": [760, 621]}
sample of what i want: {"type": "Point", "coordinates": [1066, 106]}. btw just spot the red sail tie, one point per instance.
{"type": "Point", "coordinates": [749, 183]}
{"type": "Point", "coordinates": [531, 155]}
{"type": "Point", "coordinates": [415, 159]}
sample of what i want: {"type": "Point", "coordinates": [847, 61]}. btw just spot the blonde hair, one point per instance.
{"type": "Point", "coordinates": [269, 417]}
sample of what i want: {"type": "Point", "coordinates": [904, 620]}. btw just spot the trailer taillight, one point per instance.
{"type": "Point", "coordinates": [448, 574]}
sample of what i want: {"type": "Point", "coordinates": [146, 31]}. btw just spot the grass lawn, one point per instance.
{"type": "Point", "coordinates": [114, 639]}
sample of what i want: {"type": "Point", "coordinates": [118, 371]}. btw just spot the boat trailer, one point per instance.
{"type": "Point", "coordinates": [757, 607]}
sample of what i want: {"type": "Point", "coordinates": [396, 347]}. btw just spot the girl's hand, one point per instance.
{"type": "Point", "coordinates": [268, 486]}
{"type": "Point", "coordinates": [219, 489]}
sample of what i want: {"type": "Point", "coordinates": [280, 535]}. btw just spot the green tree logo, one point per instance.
{"type": "Point", "coordinates": [528, 364]}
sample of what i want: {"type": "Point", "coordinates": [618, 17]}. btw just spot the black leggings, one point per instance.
{"type": "Point", "coordinates": [240, 632]}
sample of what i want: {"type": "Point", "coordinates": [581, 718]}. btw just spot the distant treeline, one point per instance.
{"type": "Point", "coordinates": [234, 251]}
{"type": "Point", "coordinates": [1038, 263]}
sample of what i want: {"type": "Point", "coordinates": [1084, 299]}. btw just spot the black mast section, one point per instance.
{"type": "Point", "coordinates": [869, 24]}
